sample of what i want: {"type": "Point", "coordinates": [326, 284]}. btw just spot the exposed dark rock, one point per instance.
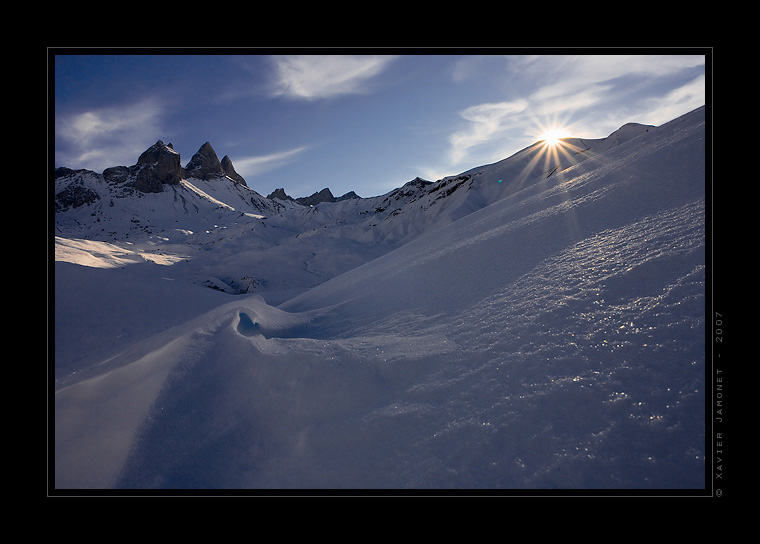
{"type": "Point", "coordinates": [74, 196]}
{"type": "Point", "coordinates": [63, 172]}
{"type": "Point", "coordinates": [325, 195]}
{"type": "Point", "coordinates": [348, 196]}
{"type": "Point", "coordinates": [230, 172]}
{"type": "Point", "coordinates": [204, 164]}
{"type": "Point", "coordinates": [419, 182]}
{"type": "Point", "coordinates": [279, 193]}
{"type": "Point", "coordinates": [76, 193]}
{"type": "Point", "coordinates": [116, 174]}
{"type": "Point", "coordinates": [157, 165]}
{"type": "Point", "coordinates": [322, 196]}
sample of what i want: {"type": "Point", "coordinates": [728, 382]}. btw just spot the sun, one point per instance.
{"type": "Point", "coordinates": [552, 136]}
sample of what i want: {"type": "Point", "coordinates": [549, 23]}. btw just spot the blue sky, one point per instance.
{"type": "Point", "coordinates": [367, 123]}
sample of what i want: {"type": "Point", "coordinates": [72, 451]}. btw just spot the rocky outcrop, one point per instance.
{"type": "Point", "coordinates": [158, 165]}
{"type": "Point", "coordinates": [76, 193]}
{"type": "Point", "coordinates": [230, 172]}
{"type": "Point", "coordinates": [322, 196]}
{"type": "Point", "coordinates": [74, 196]}
{"type": "Point", "coordinates": [204, 165]}
{"type": "Point", "coordinates": [116, 174]}
{"type": "Point", "coordinates": [279, 193]}
{"type": "Point", "coordinates": [348, 196]}
{"type": "Point", "coordinates": [325, 195]}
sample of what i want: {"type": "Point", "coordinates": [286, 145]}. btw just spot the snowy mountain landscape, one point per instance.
{"type": "Point", "coordinates": [533, 324]}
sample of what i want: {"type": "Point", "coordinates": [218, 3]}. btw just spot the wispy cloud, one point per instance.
{"type": "Point", "coordinates": [559, 76]}
{"type": "Point", "coordinates": [485, 122]}
{"type": "Point", "coordinates": [255, 165]}
{"type": "Point", "coordinates": [108, 136]}
{"type": "Point", "coordinates": [559, 87]}
{"type": "Point", "coordinates": [315, 76]}
{"type": "Point", "coordinates": [685, 98]}
{"type": "Point", "coordinates": [581, 82]}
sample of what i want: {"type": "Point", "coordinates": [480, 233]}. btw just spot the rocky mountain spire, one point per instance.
{"type": "Point", "coordinates": [157, 165]}
{"type": "Point", "coordinates": [230, 172]}
{"type": "Point", "coordinates": [160, 164]}
{"type": "Point", "coordinates": [204, 164]}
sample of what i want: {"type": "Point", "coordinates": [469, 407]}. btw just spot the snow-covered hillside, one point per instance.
{"type": "Point", "coordinates": [537, 323]}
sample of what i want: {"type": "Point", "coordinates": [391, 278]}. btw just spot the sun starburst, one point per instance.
{"type": "Point", "coordinates": [552, 136]}
{"type": "Point", "coordinates": [554, 147]}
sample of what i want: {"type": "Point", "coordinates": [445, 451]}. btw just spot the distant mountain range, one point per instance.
{"type": "Point", "coordinates": [159, 165]}
{"type": "Point", "coordinates": [325, 195]}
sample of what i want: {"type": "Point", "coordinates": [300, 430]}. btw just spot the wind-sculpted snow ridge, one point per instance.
{"type": "Point", "coordinates": [551, 339]}
{"type": "Point", "coordinates": [250, 383]}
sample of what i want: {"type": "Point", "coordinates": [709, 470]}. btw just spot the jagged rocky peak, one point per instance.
{"type": "Point", "coordinates": [325, 195]}
{"type": "Point", "coordinates": [279, 193]}
{"type": "Point", "coordinates": [204, 164]}
{"type": "Point", "coordinates": [157, 165]}
{"type": "Point", "coordinates": [322, 196]}
{"type": "Point", "coordinates": [348, 196]}
{"type": "Point", "coordinates": [157, 153]}
{"type": "Point", "coordinates": [230, 172]}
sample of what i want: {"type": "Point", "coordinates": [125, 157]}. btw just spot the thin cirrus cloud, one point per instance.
{"type": "Point", "coordinates": [255, 165]}
{"type": "Point", "coordinates": [687, 97]}
{"type": "Point", "coordinates": [571, 74]}
{"type": "Point", "coordinates": [563, 85]}
{"type": "Point", "coordinates": [102, 137]}
{"type": "Point", "coordinates": [313, 77]}
{"type": "Point", "coordinates": [107, 135]}
{"type": "Point", "coordinates": [485, 122]}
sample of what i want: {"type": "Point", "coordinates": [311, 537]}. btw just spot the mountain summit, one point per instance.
{"type": "Point", "coordinates": [230, 172]}
{"type": "Point", "coordinates": [204, 164]}
{"type": "Point", "coordinates": [325, 195]}
{"type": "Point", "coordinates": [157, 165]}
{"type": "Point", "coordinates": [160, 165]}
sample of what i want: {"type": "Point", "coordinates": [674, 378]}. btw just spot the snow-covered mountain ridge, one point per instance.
{"type": "Point", "coordinates": [208, 205]}
{"type": "Point", "coordinates": [547, 336]}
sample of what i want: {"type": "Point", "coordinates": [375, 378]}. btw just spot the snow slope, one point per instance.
{"type": "Point", "coordinates": [546, 333]}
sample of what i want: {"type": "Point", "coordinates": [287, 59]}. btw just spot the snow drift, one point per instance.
{"type": "Point", "coordinates": [546, 336]}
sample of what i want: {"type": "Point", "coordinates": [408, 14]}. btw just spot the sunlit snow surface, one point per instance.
{"type": "Point", "coordinates": [554, 339]}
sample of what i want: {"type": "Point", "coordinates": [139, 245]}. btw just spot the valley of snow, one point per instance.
{"type": "Point", "coordinates": [537, 323]}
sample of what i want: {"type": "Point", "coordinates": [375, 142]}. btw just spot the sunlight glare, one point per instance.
{"type": "Point", "coordinates": [552, 136]}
